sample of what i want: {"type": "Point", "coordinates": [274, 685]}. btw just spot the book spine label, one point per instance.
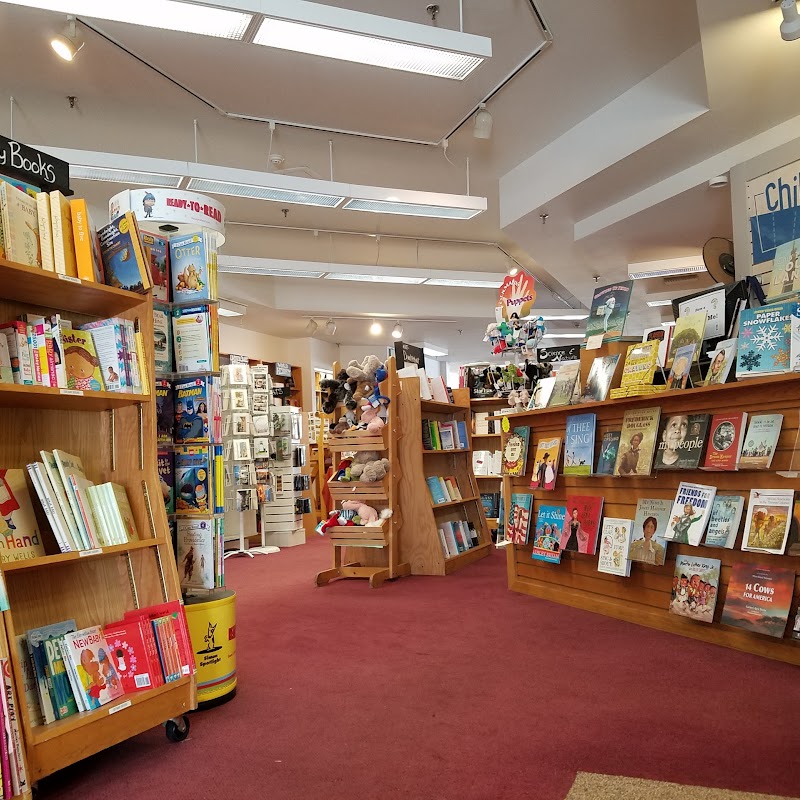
{"type": "Point", "coordinates": [34, 351]}
{"type": "Point", "coordinates": [51, 357]}
{"type": "Point", "coordinates": [59, 258]}
{"type": "Point", "coordinates": [21, 784]}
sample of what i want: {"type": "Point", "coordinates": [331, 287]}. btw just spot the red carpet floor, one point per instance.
{"type": "Point", "coordinates": [453, 688]}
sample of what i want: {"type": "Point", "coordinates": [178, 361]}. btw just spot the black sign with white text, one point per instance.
{"type": "Point", "coordinates": [19, 161]}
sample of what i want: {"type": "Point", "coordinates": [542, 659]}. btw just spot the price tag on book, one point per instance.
{"type": "Point", "coordinates": [118, 707]}
{"type": "Point", "coordinates": [76, 392]}
{"type": "Point", "coordinates": [594, 342]}
{"type": "Point", "coordinates": [70, 279]}
{"type": "Point", "coordinates": [94, 552]}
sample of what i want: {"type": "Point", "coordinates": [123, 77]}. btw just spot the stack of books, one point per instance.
{"type": "Point", "coordinates": [457, 537]}
{"type": "Point", "coordinates": [641, 362]}
{"type": "Point", "coordinates": [444, 435]}
{"type": "Point", "coordinates": [443, 490]}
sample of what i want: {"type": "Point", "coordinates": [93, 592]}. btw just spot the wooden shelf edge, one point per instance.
{"type": "Point", "coordinates": [79, 555]}
{"type": "Point", "coordinates": [437, 407]}
{"type": "Point", "coordinates": [18, 395]}
{"type": "Point", "coordinates": [454, 450]}
{"type": "Point", "coordinates": [489, 477]}
{"type": "Point", "coordinates": [452, 503]}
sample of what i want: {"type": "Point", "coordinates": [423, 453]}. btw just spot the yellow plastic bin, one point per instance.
{"type": "Point", "coordinates": [212, 629]}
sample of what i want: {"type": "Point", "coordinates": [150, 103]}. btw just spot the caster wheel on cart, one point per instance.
{"type": "Point", "coordinates": [177, 729]}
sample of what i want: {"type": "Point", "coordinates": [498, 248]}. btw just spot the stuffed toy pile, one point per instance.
{"type": "Point", "coordinates": [357, 388]}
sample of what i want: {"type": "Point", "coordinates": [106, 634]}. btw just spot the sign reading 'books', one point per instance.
{"type": "Point", "coordinates": [41, 169]}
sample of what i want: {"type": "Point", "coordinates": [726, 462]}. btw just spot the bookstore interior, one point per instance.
{"type": "Point", "coordinates": [239, 422]}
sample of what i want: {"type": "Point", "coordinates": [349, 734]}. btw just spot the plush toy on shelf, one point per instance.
{"type": "Point", "coordinates": [364, 513]}
{"type": "Point", "coordinates": [367, 466]}
{"type": "Point", "coordinates": [335, 520]}
{"type": "Point", "coordinates": [369, 417]}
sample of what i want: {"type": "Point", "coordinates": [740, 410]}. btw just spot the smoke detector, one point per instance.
{"type": "Point", "coordinates": [277, 160]}
{"type": "Point", "coordinates": [719, 182]}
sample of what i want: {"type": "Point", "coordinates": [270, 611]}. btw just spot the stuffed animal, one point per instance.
{"type": "Point", "coordinates": [385, 514]}
{"type": "Point", "coordinates": [335, 520]}
{"type": "Point", "coordinates": [332, 392]}
{"type": "Point", "coordinates": [368, 466]}
{"type": "Point", "coordinates": [362, 389]}
{"type": "Point", "coordinates": [342, 426]}
{"type": "Point", "coordinates": [364, 514]}
{"type": "Point", "coordinates": [342, 470]}
{"type": "Point", "coordinates": [369, 416]}
{"type": "Point", "coordinates": [375, 470]}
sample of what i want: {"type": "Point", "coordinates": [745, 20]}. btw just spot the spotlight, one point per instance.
{"type": "Point", "coordinates": [376, 329]}
{"type": "Point", "coordinates": [69, 42]}
{"type": "Point", "coordinates": [331, 327]}
{"type": "Point", "coordinates": [397, 331]}
{"type": "Point", "coordinates": [513, 271]}
{"type": "Point", "coordinates": [483, 123]}
{"type": "Point", "coordinates": [311, 328]}
{"type": "Point", "coordinates": [790, 27]}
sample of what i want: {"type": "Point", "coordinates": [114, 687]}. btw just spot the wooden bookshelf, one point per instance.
{"type": "Point", "coordinates": [115, 436]}
{"type": "Point", "coordinates": [421, 545]}
{"type": "Point", "coordinates": [489, 441]}
{"type": "Point", "coordinates": [644, 597]}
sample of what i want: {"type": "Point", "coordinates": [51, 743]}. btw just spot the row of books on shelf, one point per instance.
{"type": "Point", "coordinates": [437, 435]}
{"type": "Point", "coordinates": [200, 549]}
{"type": "Point", "coordinates": [13, 776]}
{"type": "Point", "coordinates": [189, 410]}
{"type": "Point", "coordinates": [483, 426]}
{"type": "Point", "coordinates": [457, 537]}
{"type": "Point", "coordinates": [67, 671]}
{"type": "Point", "coordinates": [487, 463]}
{"type": "Point", "coordinates": [443, 490]}
{"type": "Point", "coordinates": [430, 388]}
{"type": "Point", "coordinates": [192, 479]}
{"type": "Point", "coordinates": [56, 233]}
{"type": "Point", "coordinates": [646, 442]}
{"type": "Point", "coordinates": [107, 355]}
{"type": "Point", "coordinates": [186, 338]}
{"type": "Point", "coordinates": [82, 515]}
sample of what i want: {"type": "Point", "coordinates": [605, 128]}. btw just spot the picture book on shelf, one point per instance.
{"type": "Point", "coordinates": [162, 337]}
{"type": "Point", "coordinates": [193, 341]}
{"type": "Point", "coordinates": [519, 518]}
{"type": "Point", "coordinates": [681, 441]}
{"type": "Point", "coordinates": [661, 334]}
{"type": "Point", "coordinates": [615, 543]}
{"type": "Point", "coordinates": [156, 253]}
{"type": "Point", "coordinates": [712, 302]}
{"type": "Point", "coordinates": [648, 544]}
{"type": "Point", "coordinates": [515, 452]}
{"type": "Point", "coordinates": [785, 278]}
{"type": "Point", "coordinates": [128, 649]}
{"type": "Point", "coordinates": [567, 381]}
{"type": "Point", "coordinates": [166, 479]}
{"type": "Point", "coordinates": [579, 444]}
{"type": "Point", "coordinates": [598, 382]}
{"type": "Point", "coordinates": [35, 638]}
{"type": "Point", "coordinates": [20, 222]}
{"type": "Point", "coordinates": [769, 516]}
{"type": "Point", "coordinates": [20, 537]}
{"type": "Point", "coordinates": [758, 598]}
{"type": "Point", "coordinates": [192, 398]}
{"type": "Point", "coordinates": [637, 441]}
{"type": "Point", "coordinates": [760, 441]}
{"type": "Point", "coordinates": [122, 256]}
{"type": "Point", "coordinates": [89, 655]}
{"type": "Point", "coordinates": [609, 310]}
{"type": "Point", "coordinates": [547, 538]}
{"type": "Point", "coordinates": [725, 442]}
{"type": "Point", "coordinates": [694, 587]}
{"type": "Point", "coordinates": [723, 524]}
{"type": "Point", "coordinates": [165, 410]}
{"type": "Point", "coordinates": [109, 340]}
{"type": "Point", "coordinates": [582, 524]}
{"type": "Point", "coordinates": [609, 447]}
{"type": "Point", "coordinates": [193, 487]}
{"type": "Point", "coordinates": [196, 553]}
{"type": "Point", "coordinates": [87, 247]}
{"type": "Point", "coordinates": [63, 238]}
{"type": "Point", "coordinates": [690, 511]}
{"type": "Point", "coordinates": [681, 365]}
{"type": "Point", "coordinates": [545, 464]}
{"type": "Point", "coordinates": [764, 340]}
{"type": "Point", "coordinates": [81, 361]}
{"type": "Point", "coordinates": [722, 358]}
{"type": "Point", "coordinates": [689, 329]}
{"type": "Point", "coordinates": [189, 259]}
{"type": "Point", "coordinates": [641, 362]}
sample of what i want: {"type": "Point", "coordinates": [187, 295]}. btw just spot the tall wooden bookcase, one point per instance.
{"type": "Point", "coordinates": [115, 436]}
{"type": "Point", "coordinates": [489, 441]}
{"type": "Point", "coordinates": [421, 546]}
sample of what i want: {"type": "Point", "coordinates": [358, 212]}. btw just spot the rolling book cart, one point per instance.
{"type": "Point", "coordinates": [421, 545]}
{"type": "Point", "coordinates": [369, 552]}
{"type": "Point", "coordinates": [115, 435]}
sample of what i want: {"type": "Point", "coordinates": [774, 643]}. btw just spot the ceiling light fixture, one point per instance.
{"type": "Point", "coordinates": [666, 268]}
{"type": "Point", "coordinates": [376, 329]}
{"type": "Point", "coordinates": [331, 327]}
{"type": "Point", "coordinates": [658, 303]}
{"type": "Point", "coordinates": [464, 283]}
{"type": "Point", "coordinates": [513, 271]}
{"type": "Point", "coordinates": [311, 328]}
{"type": "Point", "coordinates": [483, 123]}
{"type": "Point", "coordinates": [397, 331]}
{"type": "Point", "coordinates": [433, 350]}
{"type": "Point", "coordinates": [344, 276]}
{"type": "Point", "coordinates": [790, 27]}
{"type": "Point", "coordinates": [124, 176]}
{"type": "Point", "coordinates": [414, 204]}
{"type": "Point", "coordinates": [555, 317]}
{"type": "Point", "coordinates": [166, 14]}
{"type": "Point", "coordinates": [564, 336]}
{"type": "Point", "coordinates": [69, 41]}
{"type": "Point", "coordinates": [227, 308]}
{"type": "Point", "coordinates": [346, 35]}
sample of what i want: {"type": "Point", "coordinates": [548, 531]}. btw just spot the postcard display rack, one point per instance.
{"type": "Point", "coordinates": [115, 435]}
{"type": "Point", "coordinates": [421, 545]}
{"type": "Point", "coordinates": [644, 597]}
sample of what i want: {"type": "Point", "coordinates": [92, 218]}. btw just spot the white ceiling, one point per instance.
{"type": "Point", "coordinates": [634, 189]}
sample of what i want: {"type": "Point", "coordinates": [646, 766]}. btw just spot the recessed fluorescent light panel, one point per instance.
{"type": "Point", "coordinates": [236, 269]}
{"type": "Point", "coordinates": [666, 268]}
{"type": "Point", "coordinates": [433, 351]}
{"type": "Point", "coordinates": [465, 283]}
{"type": "Point", "coordinates": [658, 303]}
{"type": "Point", "coordinates": [564, 336]}
{"type": "Point", "coordinates": [124, 176]}
{"type": "Point", "coordinates": [410, 209]}
{"type": "Point", "coordinates": [166, 14]}
{"type": "Point", "coordinates": [344, 276]}
{"type": "Point", "coordinates": [552, 317]}
{"type": "Point", "coordinates": [263, 193]}
{"type": "Point", "coordinates": [345, 35]}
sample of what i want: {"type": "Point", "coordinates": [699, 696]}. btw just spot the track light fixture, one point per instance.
{"type": "Point", "coordinates": [790, 27]}
{"type": "Point", "coordinates": [376, 329]}
{"type": "Point", "coordinates": [397, 331]}
{"type": "Point", "coordinates": [311, 328]}
{"type": "Point", "coordinates": [331, 327]}
{"type": "Point", "coordinates": [69, 41]}
{"type": "Point", "coordinates": [483, 123]}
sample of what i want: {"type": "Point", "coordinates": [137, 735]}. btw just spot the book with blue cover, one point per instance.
{"type": "Point", "coordinates": [50, 698]}
{"type": "Point", "coordinates": [189, 268]}
{"type": "Point", "coordinates": [547, 539]}
{"type": "Point", "coordinates": [192, 397]}
{"type": "Point", "coordinates": [461, 430]}
{"type": "Point", "coordinates": [193, 484]}
{"type": "Point", "coordinates": [165, 411]}
{"type": "Point", "coordinates": [122, 255]}
{"type": "Point", "coordinates": [435, 488]}
{"type": "Point", "coordinates": [764, 340]}
{"type": "Point", "coordinates": [519, 517]}
{"type": "Point", "coordinates": [579, 444]}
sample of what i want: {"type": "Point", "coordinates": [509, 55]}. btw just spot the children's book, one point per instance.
{"type": "Point", "coordinates": [661, 334]}
{"type": "Point", "coordinates": [162, 337]}
{"type": "Point", "coordinates": [108, 338]}
{"type": "Point", "coordinates": [20, 221]}
{"type": "Point", "coordinates": [567, 379]}
{"type": "Point", "coordinates": [758, 598]}
{"type": "Point", "coordinates": [166, 479]}
{"type": "Point", "coordinates": [648, 544]}
{"type": "Point", "coordinates": [191, 334]}
{"type": "Point", "coordinates": [769, 516]}
{"type": "Point", "coordinates": [690, 512]}
{"type": "Point", "coordinates": [609, 310]}
{"type": "Point", "coordinates": [63, 238]}
{"type": "Point", "coordinates": [89, 654]}
{"type": "Point", "coordinates": [189, 268]}
{"type": "Point", "coordinates": [547, 538]}
{"type": "Point", "coordinates": [128, 652]}
{"type": "Point", "coordinates": [515, 452]}
{"type": "Point", "coordinates": [35, 638]}
{"type": "Point", "coordinates": [196, 553]}
{"type": "Point", "coordinates": [435, 488]}
{"type": "Point", "coordinates": [723, 524]}
{"type": "Point", "coordinates": [598, 382]}
{"type": "Point", "coordinates": [80, 360]}
{"type": "Point", "coordinates": [579, 444]}
{"type": "Point", "coordinates": [764, 340]}
{"type": "Point", "coordinates": [725, 442]}
{"type": "Point", "coordinates": [30, 688]}
{"type": "Point", "coordinates": [689, 329]}
{"type": "Point", "coordinates": [156, 253]}
{"type": "Point", "coordinates": [609, 447]}
{"type": "Point", "coordinates": [6, 371]}
{"type": "Point", "coordinates": [681, 441]}
{"type": "Point", "coordinates": [193, 486]}
{"type": "Point", "coordinates": [121, 512]}
{"type": "Point", "coordinates": [20, 537]}
{"type": "Point", "coordinates": [694, 587]}
{"type": "Point", "coordinates": [545, 465]}
{"type": "Point", "coordinates": [641, 362]}
{"type": "Point", "coordinates": [64, 704]}
{"type": "Point", "coordinates": [87, 247]}
{"type": "Point", "coordinates": [582, 523]}
{"type": "Point", "coordinates": [165, 411]}
{"type": "Point", "coordinates": [615, 544]}
{"type": "Point", "coordinates": [122, 255]}
{"type": "Point", "coordinates": [71, 466]}
{"type": "Point", "coordinates": [722, 358]}
{"type": "Point", "coordinates": [637, 441]}
{"type": "Point", "coordinates": [191, 410]}
{"type": "Point", "coordinates": [681, 365]}
{"type": "Point", "coordinates": [519, 518]}
{"type": "Point", "coordinates": [45, 231]}
{"type": "Point", "coordinates": [60, 492]}
{"type": "Point", "coordinates": [760, 441]}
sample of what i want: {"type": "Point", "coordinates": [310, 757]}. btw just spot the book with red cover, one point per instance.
{"type": "Point", "coordinates": [128, 651]}
{"type": "Point", "coordinates": [175, 609]}
{"type": "Point", "coordinates": [759, 598]}
{"type": "Point", "coordinates": [725, 438]}
{"type": "Point", "coordinates": [584, 514]}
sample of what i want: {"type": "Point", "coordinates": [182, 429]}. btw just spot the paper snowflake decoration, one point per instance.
{"type": "Point", "coordinates": [746, 332]}
{"type": "Point", "coordinates": [781, 359]}
{"type": "Point", "coordinates": [767, 338]}
{"type": "Point", "coordinates": [750, 360]}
